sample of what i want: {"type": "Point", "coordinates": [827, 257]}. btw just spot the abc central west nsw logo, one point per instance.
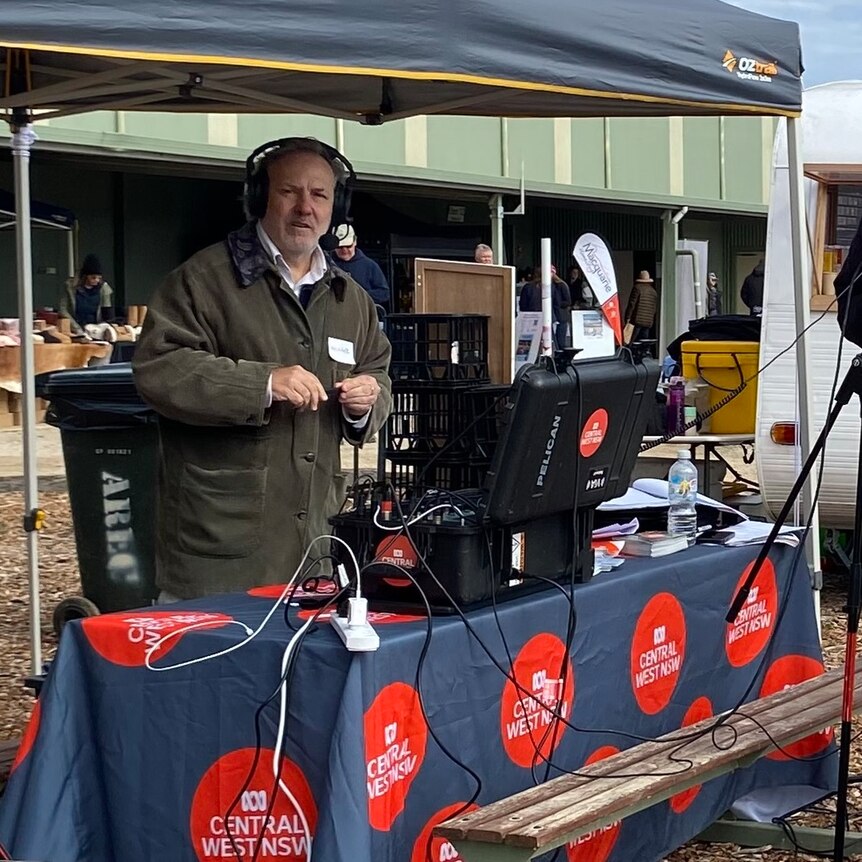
{"type": "Point", "coordinates": [658, 652]}
{"type": "Point", "coordinates": [529, 724]}
{"type": "Point", "coordinates": [265, 823]}
{"type": "Point", "coordinates": [395, 739]}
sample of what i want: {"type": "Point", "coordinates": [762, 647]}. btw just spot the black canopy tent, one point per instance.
{"type": "Point", "coordinates": [385, 60]}
{"type": "Point", "coordinates": [44, 215]}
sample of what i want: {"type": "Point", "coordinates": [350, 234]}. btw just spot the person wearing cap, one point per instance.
{"type": "Point", "coordinates": [361, 268]}
{"type": "Point", "coordinates": [260, 358]}
{"type": "Point", "coordinates": [87, 299]}
{"type": "Point", "coordinates": [713, 296]}
{"type": "Point", "coordinates": [642, 307]}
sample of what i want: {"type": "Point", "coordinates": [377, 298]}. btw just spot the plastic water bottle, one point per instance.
{"type": "Point", "coordinates": [676, 406]}
{"type": "Point", "coordinates": [681, 496]}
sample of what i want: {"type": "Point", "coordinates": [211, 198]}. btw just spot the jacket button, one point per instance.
{"type": "Point", "coordinates": [303, 345]}
{"type": "Point", "coordinates": [310, 456]}
{"type": "Point", "coordinates": [301, 516]}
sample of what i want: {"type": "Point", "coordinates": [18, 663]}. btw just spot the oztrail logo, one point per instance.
{"type": "Point", "coordinates": [748, 69]}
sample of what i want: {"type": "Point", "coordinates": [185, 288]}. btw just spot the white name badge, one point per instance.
{"type": "Point", "coordinates": [341, 351]}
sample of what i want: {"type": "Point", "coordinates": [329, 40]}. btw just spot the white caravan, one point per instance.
{"type": "Point", "coordinates": [832, 156]}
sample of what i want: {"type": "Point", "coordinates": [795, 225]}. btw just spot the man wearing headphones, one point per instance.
{"type": "Point", "coordinates": [260, 358]}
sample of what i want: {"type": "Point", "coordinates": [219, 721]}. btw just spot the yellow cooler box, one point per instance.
{"type": "Point", "coordinates": [723, 366]}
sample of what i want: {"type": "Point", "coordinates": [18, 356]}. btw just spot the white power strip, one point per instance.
{"type": "Point", "coordinates": [359, 637]}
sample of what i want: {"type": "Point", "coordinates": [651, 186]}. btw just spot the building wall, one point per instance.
{"type": "Point", "coordinates": [143, 222]}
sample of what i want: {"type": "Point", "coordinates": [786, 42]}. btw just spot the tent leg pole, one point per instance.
{"type": "Point", "coordinates": [22, 140]}
{"type": "Point", "coordinates": [802, 298]}
{"type": "Point", "coordinates": [547, 303]}
{"type": "Point", "coordinates": [495, 205]}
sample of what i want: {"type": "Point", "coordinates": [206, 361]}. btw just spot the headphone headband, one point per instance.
{"type": "Point", "coordinates": [341, 166]}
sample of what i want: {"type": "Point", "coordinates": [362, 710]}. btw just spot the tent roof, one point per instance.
{"type": "Point", "coordinates": [41, 214]}
{"type": "Point", "coordinates": [385, 59]}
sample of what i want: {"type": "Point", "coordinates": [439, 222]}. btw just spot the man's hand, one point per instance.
{"type": "Point", "coordinates": [357, 395]}
{"type": "Point", "coordinates": [300, 388]}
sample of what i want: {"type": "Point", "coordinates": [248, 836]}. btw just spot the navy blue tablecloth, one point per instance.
{"type": "Point", "coordinates": [121, 763]}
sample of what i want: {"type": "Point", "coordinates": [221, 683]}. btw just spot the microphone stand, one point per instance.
{"type": "Point", "coordinates": [852, 385]}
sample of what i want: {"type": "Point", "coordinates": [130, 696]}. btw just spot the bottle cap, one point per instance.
{"type": "Point", "coordinates": [684, 454]}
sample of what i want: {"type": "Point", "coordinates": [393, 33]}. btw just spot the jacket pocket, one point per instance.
{"type": "Point", "coordinates": [221, 511]}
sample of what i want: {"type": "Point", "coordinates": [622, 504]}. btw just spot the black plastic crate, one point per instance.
{"type": "Point", "coordinates": [458, 554]}
{"type": "Point", "coordinates": [438, 347]}
{"type": "Point", "coordinates": [428, 418]}
{"type": "Point", "coordinates": [411, 473]}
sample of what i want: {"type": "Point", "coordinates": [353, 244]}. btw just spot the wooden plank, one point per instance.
{"type": "Point", "coordinates": [631, 760]}
{"type": "Point", "coordinates": [614, 802]}
{"type": "Point", "coordinates": [448, 287]}
{"type": "Point", "coordinates": [540, 816]}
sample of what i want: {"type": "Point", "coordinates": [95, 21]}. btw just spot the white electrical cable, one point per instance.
{"type": "Point", "coordinates": [251, 635]}
{"type": "Point", "coordinates": [415, 520]}
{"type": "Point", "coordinates": [282, 728]}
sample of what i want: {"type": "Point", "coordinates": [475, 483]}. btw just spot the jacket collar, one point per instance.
{"type": "Point", "coordinates": [251, 260]}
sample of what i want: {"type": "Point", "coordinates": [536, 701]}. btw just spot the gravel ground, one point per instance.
{"type": "Point", "coordinates": [59, 578]}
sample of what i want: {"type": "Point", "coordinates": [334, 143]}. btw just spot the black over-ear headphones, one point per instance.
{"type": "Point", "coordinates": [256, 194]}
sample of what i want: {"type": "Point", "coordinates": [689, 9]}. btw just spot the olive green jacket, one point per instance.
{"type": "Point", "coordinates": [243, 488]}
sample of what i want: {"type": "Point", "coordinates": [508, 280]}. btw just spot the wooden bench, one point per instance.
{"type": "Point", "coordinates": [553, 814]}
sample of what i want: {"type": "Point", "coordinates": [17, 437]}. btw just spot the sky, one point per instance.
{"type": "Point", "coordinates": [831, 35]}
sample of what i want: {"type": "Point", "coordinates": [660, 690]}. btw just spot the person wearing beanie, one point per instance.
{"type": "Point", "coordinates": [87, 299]}
{"type": "Point", "coordinates": [360, 267]}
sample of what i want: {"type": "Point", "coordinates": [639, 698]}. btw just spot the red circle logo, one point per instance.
{"type": "Point", "coordinates": [248, 832]}
{"type": "Point", "coordinates": [785, 672]}
{"type": "Point", "coordinates": [658, 652]}
{"type": "Point", "coordinates": [397, 551]}
{"type": "Point", "coordinates": [274, 591]}
{"type": "Point", "coordinates": [746, 637]}
{"type": "Point", "coordinates": [432, 849]}
{"type": "Point", "coordinates": [528, 724]}
{"type": "Point", "coordinates": [698, 711]}
{"type": "Point", "coordinates": [595, 846]}
{"type": "Point", "coordinates": [593, 433]}
{"type": "Point", "coordinates": [395, 740]}
{"type": "Point", "coordinates": [29, 737]}
{"type": "Point", "coordinates": [128, 638]}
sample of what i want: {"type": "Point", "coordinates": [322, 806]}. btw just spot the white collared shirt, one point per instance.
{"type": "Point", "coordinates": [314, 274]}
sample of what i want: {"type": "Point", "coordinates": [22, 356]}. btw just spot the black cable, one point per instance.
{"type": "Point", "coordinates": [728, 398]}
{"type": "Point", "coordinates": [426, 645]}
{"type": "Point", "coordinates": [258, 747]}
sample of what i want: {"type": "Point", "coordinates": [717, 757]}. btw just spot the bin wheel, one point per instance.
{"type": "Point", "coordinates": [73, 608]}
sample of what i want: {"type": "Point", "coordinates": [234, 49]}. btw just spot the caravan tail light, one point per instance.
{"type": "Point", "coordinates": [783, 433]}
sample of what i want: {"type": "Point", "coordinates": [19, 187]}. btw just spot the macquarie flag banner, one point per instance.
{"type": "Point", "coordinates": [594, 259]}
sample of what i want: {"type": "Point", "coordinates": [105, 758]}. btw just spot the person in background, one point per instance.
{"type": "Point", "coordinates": [713, 296]}
{"type": "Point", "coordinates": [87, 299]}
{"type": "Point", "coordinates": [360, 267]}
{"type": "Point", "coordinates": [579, 289]}
{"type": "Point", "coordinates": [642, 307]}
{"type": "Point", "coordinates": [483, 253]}
{"type": "Point", "coordinates": [561, 302]}
{"type": "Point", "coordinates": [260, 358]}
{"type": "Point", "coordinates": [752, 290]}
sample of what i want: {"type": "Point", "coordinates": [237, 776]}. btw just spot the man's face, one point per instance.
{"type": "Point", "coordinates": [299, 206]}
{"type": "Point", "coordinates": [346, 252]}
{"type": "Point", "coordinates": [484, 255]}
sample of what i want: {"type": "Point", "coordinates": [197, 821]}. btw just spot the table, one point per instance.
{"type": "Point", "coordinates": [710, 443]}
{"type": "Point", "coordinates": [123, 764]}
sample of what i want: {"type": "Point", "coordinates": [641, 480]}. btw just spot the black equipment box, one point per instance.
{"type": "Point", "coordinates": [569, 439]}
